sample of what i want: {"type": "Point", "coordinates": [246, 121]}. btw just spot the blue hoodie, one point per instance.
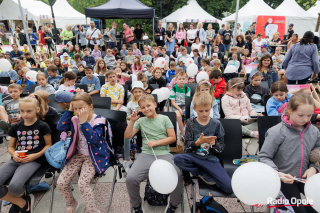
{"type": "Point", "coordinates": [27, 82]}
{"type": "Point", "coordinates": [168, 74]}
{"type": "Point", "coordinates": [35, 38]}
{"type": "Point", "coordinates": [273, 105]}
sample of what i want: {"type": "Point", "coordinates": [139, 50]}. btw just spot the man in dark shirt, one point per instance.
{"type": "Point", "coordinates": [15, 53]}
{"type": "Point", "coordinates": [290, 31]}
{"type": "Point", "coordinates": [138, 32]}
{"type": "Point", "coordinates": [227, 38]}
{"type": "Point", "coordinates": [250, 31]}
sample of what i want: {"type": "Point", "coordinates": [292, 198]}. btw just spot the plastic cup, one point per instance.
{"type": "Point", "coordinates": [22, 154]}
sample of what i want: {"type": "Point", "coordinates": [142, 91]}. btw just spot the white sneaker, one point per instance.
{"type": "Point", "coordinates": [127, 165]}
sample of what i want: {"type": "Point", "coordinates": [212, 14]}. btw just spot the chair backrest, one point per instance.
{"type": "Point", "coordinates": [193, 87]}
{"type": "Point", "coordinates": [102, 80]}
{"type": "Point", "coordinates": [52, 121]}
{"type": "Point", "coordinates": [37, 69]}
{"type": "Point", "coordinates": [188, 50]}
{"type": "Point", "coordinates": [54, 104]}
{"type": "Point", "coordinates": [265, 100]}
{"type": "Point", "coordinates": [168, 53]}
{"type": "Point", "coordinates": [187, 106]}
{"type": "Point", "coordinates": [265, 123]}
{"type": "Point", "coordinates": [155, 86]}
{"type": "Point", "coordinates": [222, 115]}
{"type": "Point", "coordinates": [118, 122]}
{"type": "Point", "coordinates": [101, 102]}
{"type": "Point", "coordinates": [232, 140]}
{"type": "Point", "coordinates": [82, 86]}
{"type": "Point", "coordinates": [32, 87]}
{"type": "Point", "coordinates": [5, 80]}
{"type": "Point", "coordinates": [125, 100]}
{"type": "Point", "coordinates": [172, 77]}
{"type": "Point", "coordinates": [173, 119]}
{"type": "Point", "coordinates": [265, 85]}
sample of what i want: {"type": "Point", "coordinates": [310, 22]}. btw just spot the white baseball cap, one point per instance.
{"type": "Point", "coordinates": [137, 84]}
{"type": "Point", "coordinates": [215, 54]}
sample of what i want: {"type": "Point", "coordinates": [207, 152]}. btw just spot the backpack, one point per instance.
{"type": "Point", "coordinates": [209, 205]}
{"type": "Point", "coordinates": [154, 198]}
{"type": "Point", "coordinates": [23, 39]}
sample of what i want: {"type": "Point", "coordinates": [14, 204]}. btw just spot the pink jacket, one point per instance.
{"type": "Point", "coordinates": [181, 35]}
{"type": "Point", "coordinates": [135, 71]}
{"type": "Point", "coordinates": [238, 108]}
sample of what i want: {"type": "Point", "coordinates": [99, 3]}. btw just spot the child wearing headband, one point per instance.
{"type": "Point", "coordinates": [236, 105]}
{"type": "Point", "coordinates": [205, 86]}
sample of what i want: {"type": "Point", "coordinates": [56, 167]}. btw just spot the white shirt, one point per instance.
{"type": "Point", "coordinates": [195, 46]}
{"type": "Point", "coordinates": [192, 34]}
{"type": "Point", "coordinates": [94, 35]}
{"type": "Point", "coordinates": [63, 87]}
{"type": "Point", "coordinates": [257, 44]}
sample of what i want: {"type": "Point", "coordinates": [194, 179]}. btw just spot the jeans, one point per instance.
{"type": "Point", "coordinates": [302, 81]}
{"type": "Point", "coordinates": [227, 47]}
{"type": "Point", "coordinates": [65, 42]}
{"type": "Point", "coordinates": [112, 45]}
{"type": "Point", "coordinates": [208, 49]}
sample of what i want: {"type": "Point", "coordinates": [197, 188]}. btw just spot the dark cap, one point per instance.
{"type": "Point", "coordinates": [160, 55]}
{"type": "Point", "coordinates": [149, 64]}
{"type": "Point", "coordinates": [90, 67]}
{"type": "Point", "coordinates": [291, 25]}
{"type": "Point", "coordinates": [63, 96]}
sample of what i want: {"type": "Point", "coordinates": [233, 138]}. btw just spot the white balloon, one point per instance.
{"type": "Point", "coordinates": [253, 183]}
{"type": "Point", "coordinates": [188, 61]}
{"type": "Point", "coordinates": [32, 75]}
{"type": "Point", "coordinates": [163, 176]}
{"type": "Point", "coordinates": [230, 69]}
{"type": "Point", "coordinates": [202, 76]}
{"type": "Point", "coordinates": [134, 78]}
{"type": "Point", "coordinates": [95, 74]}
{"type": "Point", "coordinates": [312, 189]}
{"type": "Point", "coordinates": [158, 93]}
{"type": "Point", "coordinates": [160, 62]}
{"type": "Point", "coordinates": [166, 92]}
{"type": "Point", "coordinates": [192, 70]}
{"type": "Point", "coordinates": [5, 65]}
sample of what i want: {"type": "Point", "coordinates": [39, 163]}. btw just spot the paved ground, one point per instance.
{"type": "Point", "coordinates": [120, 204]}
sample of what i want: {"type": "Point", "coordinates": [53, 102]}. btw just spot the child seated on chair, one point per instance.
{"type": "Point", "coordinates": [144, 79]}
{"type": "Point", "coordinates": [24, 82]}
{"type": "Point", "coordinates": [218, 83]}
{"type": "Point", "coordinates": [11, 73]}
{"type": "Point", "coordinates": [63, 98]}
{"type": "Point", "coordinates": [157, 133]}
{"type": "Point", "coordinates": [280, 97]}
{"type": "Point", "coordinates": [91, 80]}
{"type": "Point", "coordinates": [171, 71]}
{"type": "Point", "coordinates": [157, 78]}
{"type": "Point", "coordinates": [88, 151]}
{"type": "Point", "coordinates": [54, 78]}
{"type": "Point", "coordinates": [9, 110]}
{"type": "Point", "coordinates": [42, 80]}
{"type": "Point", "coordinates": [113, 90]}
{"type": "Point", "coordinates": [44, 95]}
{"type": "Point", "coordinates": [203, 141]}
{"type": "Point", "coordinates": [23, 165]}
{"type": "Point", "coordinates": [178, 94]}
{"type": "Point", "coordinates": [236, 105]}
{"type": "Point", "coordinates": [256, 93]}
{"type": "Point", "coordinates": [205, 86]}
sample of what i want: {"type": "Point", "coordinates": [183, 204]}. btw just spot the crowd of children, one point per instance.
{"type": "Point", "coordinates": [221, 96]}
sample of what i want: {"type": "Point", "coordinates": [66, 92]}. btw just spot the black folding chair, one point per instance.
{"type": "Point", "coordinates": [125, 99]}
{"type": "Point", "coordinates": [222, 115]}
{"type": "Point", "coordinates": [188, 101]}
{"type": "Point", "coordinates": [265, 100]}
{"type": "Point", "coordinates": [45, 169]}
{"type": "Point", "coordinates": [118, 122]}
{"type": "Point", "coordinates": [5, 80]}
{"type": "Point", "coordinates": [32, 87]}
{"type": "Point", "coordinates": [193, 88]}
{"type": "Point", "coordinates": [102, 80]}
{"type": "Point", "coordinates": [265, 123]}
{"type": "Point", "coordinates": [155, 86]}
{"type": "Point", "coordinates": [37, 69]}
{"type": "Point", "coordinates": [101, 102]}
{"type": "Point", "coordinates": [233, 150]}
{"type": "Point", "coordinates": [54, 104]}
{"type": "Point", "coordinates": [82, 86]}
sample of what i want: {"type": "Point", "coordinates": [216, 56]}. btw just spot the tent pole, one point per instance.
{"type": "Point", "coordinates": [25, 28]}
{"type": "Point", "coordinates": [54, 25]}
{"type": "Point", "coordinates": [235, 24]}
{"type": "Point", "coordinates": [153, 30]}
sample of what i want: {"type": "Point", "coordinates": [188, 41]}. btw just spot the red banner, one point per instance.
{"type": "Point", "coordinates": [268, 25]}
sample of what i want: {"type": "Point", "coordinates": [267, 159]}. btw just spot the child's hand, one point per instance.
{"type": "Point", "coordinates": [29, 158]}
{"type": "Point", "coordinates": [207, 139]}
{"type": "Point", "coordinates": [286, 178]}
{"type": "Point", "coordinates": [309, 172]}
{"type": "Point", "coordinates": [181, 112]}
{"type": "Point", "coordinates": [151, 144]}
{"type": "Point", "coordinates": [134, 116]}
{"type": "Point", "coordinates": [71, 107]}
{"type": "Point", "coordinates": [16, 158]}
{"type": "Point", "coordinates": [83, 115]}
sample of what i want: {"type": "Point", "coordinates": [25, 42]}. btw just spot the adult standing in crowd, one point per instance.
{"type": "Point", "coordinates": [41, 39]}
{"type": "Point", "coordinates": [302, 60]}
{"type": "Point", "coordinates": [227, 38]}
{"type": "Point", "coordinates": [81, 38]}
{"type": "Point", "coordinates": [181, 35]}
{"type": "Point", "coordinates": [209, 38]}
{"type": "Point", "coordinates": [56, 34]}
{"type": "Point", "coordinates": [250, 31]}
{"type": "Point", "coordinates": [93, 35]}
{"type": "Point", "coordinates": [257, 43]}
{"type": "Point", "coordinates": [294, 39]}
{"type": "Point", "coordinates": [238, 31]}
{"type": "Point", "coordinates": [191, 35]}
{"type": "Point", "coordinates": [75, 31]}
{"type": "Point", "coordinates": [160, 34]}
{"type": "Point", "coordinates": [218, 42]}
{"type": "Point", "coordinates": [48, 39]}
{"type": "Point", "coordinates": [67, 35]}
{"type": "Point", "coordinates": [138, 32]}
{"type": "Point", "coordinates": [290, 32]}
{"type": "Point", "coordinates": [201, 33]}
{"type": "Point", "coordinates": [170, 37]}
{"type": "Point", "coordinates": [112, 36]}
{"type": "Point", "coordinates": [254, 24]}
{"type": "Point", "coordinates": [220, 31]}
{"type": "Point", "coordinates": [127, 34]}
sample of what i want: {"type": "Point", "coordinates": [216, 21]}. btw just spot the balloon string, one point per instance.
{"type": "Point", "coordinates": [151, 147]}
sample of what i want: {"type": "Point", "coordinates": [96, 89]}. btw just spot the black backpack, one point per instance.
{"type": "Point", "coordinates": [154, 198]}
{"type": "Point", "coordinates": [209, 205]}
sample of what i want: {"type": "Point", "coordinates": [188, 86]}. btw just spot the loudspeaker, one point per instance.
{"type": "Point", "coordinates": [156, 19]}
{"type": "Point", "coordinates": [103, 24]}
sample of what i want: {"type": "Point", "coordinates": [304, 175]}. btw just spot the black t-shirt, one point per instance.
{"type": "Point", "coordinates": [290, 33]}
{"type": "Point", "coordinates": [170, 33]}
{"type": "Point", "coordinates": [227, 36]}
{"type": "Point", "coordinates": [243, 43]}
{"type": "Point", "coordinates": [250, 32]}
{"type": "Point", "coordinates": [30, 137]}
{"type": "Point", "coordinates": [31, 61]}
{"type": "Point", "coordinates": [138, 33]}
{"type": "Point", "coordinates": [276, 41]}
{"type": "Point", "coordinates": [48, 34]}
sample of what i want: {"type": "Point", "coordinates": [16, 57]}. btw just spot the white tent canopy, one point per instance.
{"type": "Point", "coordinates": [315, 9]}
{"type": "Point", "coordinates": [192, 12]}
{"type": "Point", "coordinates": [252, 10]}
{"type": "Point", "coordinates": [302, 20]}
{"type": "Point", "coordinates": [65, 14]}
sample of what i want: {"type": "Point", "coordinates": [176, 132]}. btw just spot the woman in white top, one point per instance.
{"type": "Point", "coordinates": [197, 44]}
{"type": "Point", "coordinates": [256, 44]}
{"type": "Point", "coordinates": [201, 33]}
{"type": "Point", "coordinates": [209, 38]}
{"type": "Point", "coordinates": [191, 35]}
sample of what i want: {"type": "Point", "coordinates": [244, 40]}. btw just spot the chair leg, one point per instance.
{"type": "Point", "coordinates": [182, 204]}
{"type": "Point", "coordinates": [53, 186]}
{"type": "Point", "coordinates": [0, 205]}
{"type": "Point", "coordinates": [252, 209]}
{"type": "Point", "coordinates": [113, 185]}
{"type": "Point", "coordinates": [194, 190]}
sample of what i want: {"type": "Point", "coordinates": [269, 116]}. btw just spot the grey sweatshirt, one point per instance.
{"type": "Point", "coordinates": [287, 150]}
